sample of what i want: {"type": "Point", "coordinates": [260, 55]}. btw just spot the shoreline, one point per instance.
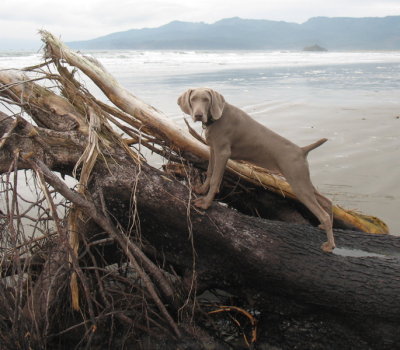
{"type": "Point", "coordinates": [354, 107]}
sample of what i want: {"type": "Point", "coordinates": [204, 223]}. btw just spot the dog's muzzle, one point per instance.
{"type": "Point", "coordinates": [198, 117]}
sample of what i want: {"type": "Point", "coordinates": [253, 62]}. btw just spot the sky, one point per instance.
{"type": "Point", "coordinates": [73, 20]}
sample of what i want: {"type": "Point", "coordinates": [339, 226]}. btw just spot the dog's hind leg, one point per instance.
{"type": "Point", "coordinates": [309, 199]}
{"type": "Point", "coordinates": [324, 202]}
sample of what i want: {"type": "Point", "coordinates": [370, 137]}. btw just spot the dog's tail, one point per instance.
{"type": "Point", "coordinates": [309, 148]}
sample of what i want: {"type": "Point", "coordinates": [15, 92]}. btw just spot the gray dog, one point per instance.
{"type": "Point", "coordinates": [231, 133]}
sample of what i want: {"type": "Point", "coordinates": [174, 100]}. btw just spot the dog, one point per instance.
{"type": "Point", "coordinates": [232, 133]}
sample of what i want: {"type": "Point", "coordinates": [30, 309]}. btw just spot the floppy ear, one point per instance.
{"type": "Point", "coordinates": [217, 104]}
{"type": "Point", "coordinates": [184, 102]}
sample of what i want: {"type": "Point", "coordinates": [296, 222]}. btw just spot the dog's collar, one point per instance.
{"type": "Point", "coordinates": [210, 121]}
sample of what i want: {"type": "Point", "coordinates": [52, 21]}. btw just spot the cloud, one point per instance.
{"type": "Point", "coordinates": [78, 19]}
{"type": "Point", "coordinates": [86, 19]}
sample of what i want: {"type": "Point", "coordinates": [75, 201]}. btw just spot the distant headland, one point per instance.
{"type": "Point", "coordinates": [340, 33]}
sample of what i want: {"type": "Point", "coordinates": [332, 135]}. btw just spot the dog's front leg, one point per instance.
{"type": "Point", "coordinates": [202, 189]}
{"type": "Point", "coordinates": [220, 159]}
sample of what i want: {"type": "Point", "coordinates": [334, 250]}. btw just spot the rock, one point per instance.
{"type": "Point", "coordinates": [315, 48]}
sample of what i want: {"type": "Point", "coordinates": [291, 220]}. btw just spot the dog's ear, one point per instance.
{"type": "Point", "coordinates": [184, 102]}
{"type": "Point", "coordinates": [217, 104]}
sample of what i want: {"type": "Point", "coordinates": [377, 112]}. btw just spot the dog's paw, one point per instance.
{"type": "Point", "coordinates": [200, 189]}
{"type": "Point", "coordinates": [202, 203]}
{"type": "Point", "coordinates": [328, 247]}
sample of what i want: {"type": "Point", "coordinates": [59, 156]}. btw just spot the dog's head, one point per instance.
{"type": "Point", "coordinates": [202, 104]}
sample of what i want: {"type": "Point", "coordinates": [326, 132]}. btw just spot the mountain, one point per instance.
{"type": "Point", "coordinates": [340, 33]}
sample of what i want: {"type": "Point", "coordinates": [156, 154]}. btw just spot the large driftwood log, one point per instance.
{"type": "Point", "coordinates": [245, 253]}
{"type": "Point", "coordinates": [268, 245]}
{"type": "Point", "coordinates": [266, 255]}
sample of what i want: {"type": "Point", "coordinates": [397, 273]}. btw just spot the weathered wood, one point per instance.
{"type": "Point", "coordinates": [266, 254]}
{"type": "Point", "coordinates": [40, 303]}
{"type": "Point", "coordinates": [46, 108]}
{"type": "Point", "coordinates": [269, 261]}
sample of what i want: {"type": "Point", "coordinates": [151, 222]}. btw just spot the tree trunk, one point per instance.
{"type": "Point", "coordinates": [267, 255]}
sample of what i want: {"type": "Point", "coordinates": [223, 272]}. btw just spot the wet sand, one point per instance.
{"type": "Point", "coordinates": [359, 167]}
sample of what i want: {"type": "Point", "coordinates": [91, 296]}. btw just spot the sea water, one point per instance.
{"type": "Point", "coordinates": [352, 98]}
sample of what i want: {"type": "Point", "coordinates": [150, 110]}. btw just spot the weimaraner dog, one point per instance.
{"type": "Point", "coordinates": [231, 133]}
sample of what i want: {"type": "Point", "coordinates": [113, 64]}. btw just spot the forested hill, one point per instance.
{"type": "Point", "coordinates": [338, 33]}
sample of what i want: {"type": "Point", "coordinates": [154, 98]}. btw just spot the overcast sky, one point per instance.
{"type": "Point", "coordinates": [86, 19]}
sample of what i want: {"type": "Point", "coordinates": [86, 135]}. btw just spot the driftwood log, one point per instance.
{"type": "Point", "coordinates": [142, 246]}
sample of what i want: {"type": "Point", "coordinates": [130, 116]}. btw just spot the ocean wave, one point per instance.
{"type": "Point", "coordinates": [216, 60]}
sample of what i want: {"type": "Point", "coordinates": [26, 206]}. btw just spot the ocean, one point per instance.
{"type": "Point", "coordinates": [351, 98]}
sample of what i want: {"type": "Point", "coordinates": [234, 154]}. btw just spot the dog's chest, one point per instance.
{"type": "Point", "coordinates": [246, 141]}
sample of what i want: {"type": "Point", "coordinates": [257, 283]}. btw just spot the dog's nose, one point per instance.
{"type": "Point", "coordinates": [198, 117]}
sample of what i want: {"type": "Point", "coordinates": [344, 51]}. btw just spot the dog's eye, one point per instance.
{"type": "Point", "coordinates": [204, 99]}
